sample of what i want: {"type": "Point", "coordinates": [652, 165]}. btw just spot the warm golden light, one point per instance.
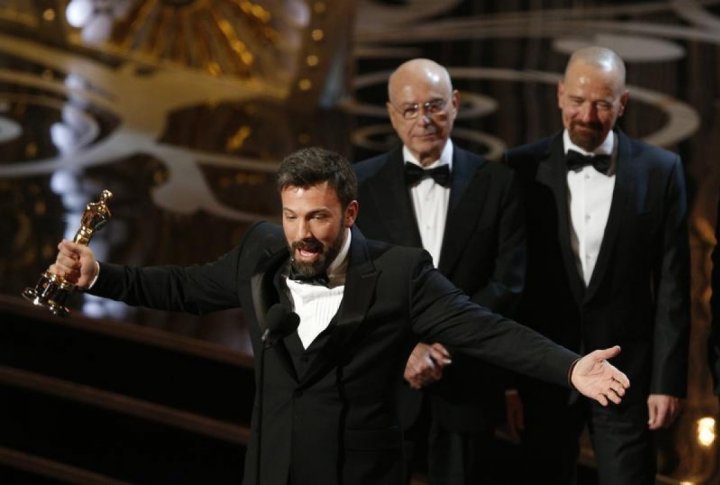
{"type": "Point", "coordinates": [305, 84]}
{"type": "Point", "coordinates": [706, 431]}
{"type": "Point", "coordinates": [49, 15]}
{"type": "Point", "coordinates": [238, 139]}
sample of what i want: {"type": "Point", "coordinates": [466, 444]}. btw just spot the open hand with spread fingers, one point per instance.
{"type": "Point", "coordinates": [594, 377]}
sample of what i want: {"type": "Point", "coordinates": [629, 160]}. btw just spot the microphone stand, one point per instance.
{"type": "Point", "coordinates": [265, 343]}
{"type": "Point", "coordinates": [280, 323]}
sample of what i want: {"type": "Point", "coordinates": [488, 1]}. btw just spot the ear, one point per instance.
{"type": "Point", "coordinates": [392, 114]}
{"type": "Point", "coordinates": [623, 102]}
{"type": "Point", "coordinates": [455, 99]}
{"type": "Point", "coordinates": [560, 93]}
{"type": "Point", "coordinates": [351, 213]}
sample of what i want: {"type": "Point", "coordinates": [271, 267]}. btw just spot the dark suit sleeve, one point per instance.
{"type": "Point", "coordinates": [714, 342]}
{"type": "Point", "coordinates": [506, 284]}
{"type": "Point", "coordinates": [195, 289]}
{"type": "Point", "coordinates": [439, 312]}
{"type": "Point", "coordinates": [672, 283]}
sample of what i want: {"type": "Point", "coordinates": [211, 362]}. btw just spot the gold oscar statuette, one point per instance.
{"type": "Point", "coordinates": [52, 291]}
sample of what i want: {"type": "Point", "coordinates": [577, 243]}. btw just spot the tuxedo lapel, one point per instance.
{"type": "Point", "coordinates": [394, 208]}
{"type": "Point", "coordinates": [262, 286]}
{"type": "Point", "coordinates": [627, 181]}
{"type": "Point", "coordinates": [463, 171]}
{"type": "Point", "coordinates": [359, 289]}
{"type": "Point", "coordinates": [264, 291]}
{"type": "Point", "coordinates": [468, 192]}
{"type": "Point", "coordinates": [553, 174]}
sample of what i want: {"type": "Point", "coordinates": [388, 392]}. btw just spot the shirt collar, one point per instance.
{"type": "Point", "coordinates": [605, 148]}
{"type": "Point", "coordinates": [446, 157]}
{"type": "Point", "coordinates": [338, 268]}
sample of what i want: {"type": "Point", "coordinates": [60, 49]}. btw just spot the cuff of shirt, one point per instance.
{"type": "Point", "coordinates": [570, 371]}
{"type": "Point", "coordinates": [97, 274]}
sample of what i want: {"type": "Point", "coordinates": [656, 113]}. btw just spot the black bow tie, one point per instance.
{"type": "Point", "coordinates": [576, 161]}
{"type": "Point", "coordinates": [414, 174]}
{"type": "Point", "coordinates": [320, 279]}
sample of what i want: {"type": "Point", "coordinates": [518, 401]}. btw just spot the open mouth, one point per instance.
{"type": "Point", "coordinates": [304, 254]}
{"type": "Point", "coordinates": [305, 250]}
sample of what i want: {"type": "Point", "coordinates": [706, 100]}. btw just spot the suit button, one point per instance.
{"type": "Point", "coordinates": [298, 393]}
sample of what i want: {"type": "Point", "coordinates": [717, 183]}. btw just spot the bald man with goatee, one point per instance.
{"type": "Point", "coordinates": [464, 210]}
{"type": "Point", "coordinates": [608, 261]}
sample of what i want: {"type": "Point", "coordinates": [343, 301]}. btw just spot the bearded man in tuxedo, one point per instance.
{"type": "Point", "coordinates": [329, 414]}
{"type": "Point", "coordinates": [608, 261]}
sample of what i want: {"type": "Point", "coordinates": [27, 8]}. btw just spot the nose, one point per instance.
{"type": "Point", "coordinates": [588, 112]}
{"type": "Point", "coordinates": [424, 119]}
{"type": "Point", "coordinates": [303, 230]}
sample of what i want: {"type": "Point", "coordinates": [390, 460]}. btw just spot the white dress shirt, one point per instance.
{"type": "Point", "coordinates": [589, 197]}
{"type": "Point", "coordinates": [316, 305]}
{"type": "Point", "coordinates": [430, 201]}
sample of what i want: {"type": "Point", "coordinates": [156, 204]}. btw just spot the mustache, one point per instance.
{"type": "Point", "coordinates": [592, 126]}
{"type": "Point", "coordinates": [310, 244]}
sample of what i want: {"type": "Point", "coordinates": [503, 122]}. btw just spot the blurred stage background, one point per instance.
{"type": "Point", "coordinates": [183, 109]}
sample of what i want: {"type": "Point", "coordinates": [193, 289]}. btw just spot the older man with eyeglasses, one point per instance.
{"type": "Point", "coordinates": [465, 212]}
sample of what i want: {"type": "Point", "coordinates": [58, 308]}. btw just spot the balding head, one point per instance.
{"type": "Point", "coordinates": [422, 107]}
{"type": "Point", "coordinates": [601, 59]}
{"type": "Point", "coordinates": [592, 95]}
{"type": "Point", "coordinates": [419, 70]}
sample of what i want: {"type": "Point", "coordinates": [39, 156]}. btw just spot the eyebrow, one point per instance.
{"type": "Point", "coordinates": [417, 103]}
{"type": "Point", "coordinates": [323, 210]}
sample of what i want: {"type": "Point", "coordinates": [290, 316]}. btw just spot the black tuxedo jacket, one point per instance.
{"type": "Point", "coordinates": [483, 254]}
{"type": "Point", "coordinates": [333, 420]}
{"type": "Point", "coordinates": [638, 296]}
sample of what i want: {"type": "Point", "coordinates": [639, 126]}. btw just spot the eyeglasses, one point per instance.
{"type": "Point", "coordinates": [434, 107]}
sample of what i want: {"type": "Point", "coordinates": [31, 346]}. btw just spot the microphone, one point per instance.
{"type": "Point", "coordinates": [281, 322]}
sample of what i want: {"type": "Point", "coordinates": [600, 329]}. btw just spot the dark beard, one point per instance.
{"type": "Point", "coordinates": [326, 257]}
{"type": "Point", "coordinates": [587, 140]}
